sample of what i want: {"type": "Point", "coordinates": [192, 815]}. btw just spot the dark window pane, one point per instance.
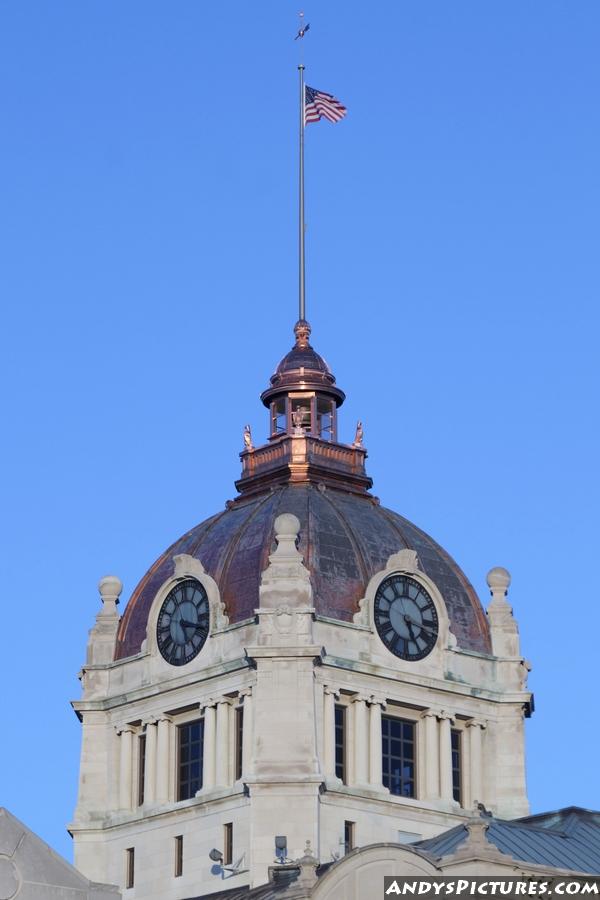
{"type": "Point", "coordinates": [398, 756]}
{"type": "Point", "coordinates": [340, 742]}
{"type": "Point", "coordinates": [189, 745]}
{"type": "Point", "coordinates": [456, 766]}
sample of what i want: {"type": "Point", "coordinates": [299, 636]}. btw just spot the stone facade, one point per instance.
{"type": "Point", "coordinates": [287, 669]}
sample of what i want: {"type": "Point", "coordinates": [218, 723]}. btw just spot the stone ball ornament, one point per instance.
{"type": "Point", "coordinates": [498, 579]}
{"type": "Point", "coordinates": [287, 525]}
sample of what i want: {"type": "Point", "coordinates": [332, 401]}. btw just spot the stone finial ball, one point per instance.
{"type": "Point", "coordinates": [287, 525]}
{"type": "Point", "coordinates": [498, 579]}
{"type": "Point", "coordinates": [110, 586]}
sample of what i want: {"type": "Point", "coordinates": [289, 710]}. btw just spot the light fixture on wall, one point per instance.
{"type": "Point", "coordinates": [235, 869]}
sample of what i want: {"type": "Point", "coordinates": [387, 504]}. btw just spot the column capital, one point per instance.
{"type": "Point", "coordinates": [374, 700]}
{"type": "Point", "coordinates": [329, 689]}
{"type": "Point", "coordinates": [442, 714]}
{"type": "Point", "coordinates": [431, 713]}
{"type": "Point", "coordinates": [226, 701]}
{"type": "Point", "coordinates": [151, 720]}
{"type": "Point", "coordinates": [126, 729]}
{"type": "Point", "coordinates": [245, 692]}
{"type": "Point", "coordinates": [476, 723]}
{"type": "Point", "coordinates": [360, 698]}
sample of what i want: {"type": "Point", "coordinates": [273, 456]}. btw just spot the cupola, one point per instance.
{"type": "Point", "coordinates": [303, 397]}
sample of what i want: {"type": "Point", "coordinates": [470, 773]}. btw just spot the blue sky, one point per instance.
{"type": "Point", "coordinates": [148, 167]}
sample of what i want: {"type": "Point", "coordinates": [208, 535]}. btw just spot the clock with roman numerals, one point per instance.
{"type": "Point", "coordinates": [183, 622]}
{"type": "Point", "coordinates": [405, 617]}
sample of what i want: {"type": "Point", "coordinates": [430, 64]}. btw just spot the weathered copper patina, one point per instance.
{"type": "Point", "coordinates": [346, 536]}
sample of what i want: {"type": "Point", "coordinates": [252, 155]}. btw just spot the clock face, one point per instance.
{"type": "Point", "coordinates": [183, 622]}
{"type": "Point", "coordinates": [406, 617]}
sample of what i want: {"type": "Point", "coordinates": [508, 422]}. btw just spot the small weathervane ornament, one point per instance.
{"type": "Point", "coordinates": [303, 28]}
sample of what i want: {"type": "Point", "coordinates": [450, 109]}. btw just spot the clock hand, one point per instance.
{"type": "Point", "coordinates": [186, 624]}
{"type": "Point", "coordinates": [410, 628]}
{"type": "Point", "coordinates": [428, 628]}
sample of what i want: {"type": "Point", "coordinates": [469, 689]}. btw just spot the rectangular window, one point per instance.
{"type": "Point", "coordinates": [130, 867]}
{"type": "Point", "coordinates": [239, 741]}
{"type": "Point", "coordinates": [228, 844]}
{"type": "Point", "coordinates": [398, 756]}
{"type": "Point", "coordinates": [279, 416]}
{"type": "Point", "coordinates": [141, 767]}
{"type": "Point", "coordinates": [456, 766]}
{"type": "Point", "coordinates": [179, 856]}
{"type": "Point", "coordinates": [190, 739]}
{"type": "Point", "coordinates": [348, 836]}
{"type": "Point", "coordinates": [326, 419]}
{"type": "Point", "coordinates": [340, 743]}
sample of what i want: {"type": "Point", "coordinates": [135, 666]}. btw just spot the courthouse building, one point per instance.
{"type": "Point", "coordinates": [305, 692]}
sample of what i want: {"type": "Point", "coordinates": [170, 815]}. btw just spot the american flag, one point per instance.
{"type": "Point", "coordinates": [318, 104]}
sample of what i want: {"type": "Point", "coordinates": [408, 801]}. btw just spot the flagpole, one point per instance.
{"type": "Point", "coordinates": [301, 273]}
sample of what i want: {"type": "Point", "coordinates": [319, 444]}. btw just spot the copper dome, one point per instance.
{"type": "Point", "coordinates": [302, 368]}
{"type": "Point", "coordinates": [345, 539]}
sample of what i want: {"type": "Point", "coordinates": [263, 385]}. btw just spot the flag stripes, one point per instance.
{"type": "Point", "coordinates": [318, 104]}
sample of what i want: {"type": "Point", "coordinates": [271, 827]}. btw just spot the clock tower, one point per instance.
{"type": "Point", "coordinates": [304, 665]}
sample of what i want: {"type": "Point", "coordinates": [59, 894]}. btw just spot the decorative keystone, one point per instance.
{"type": "Point", "coordinates": [110, 588]}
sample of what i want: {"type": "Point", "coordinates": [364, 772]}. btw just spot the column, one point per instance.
{"type": "Point", "coordinates": [375, 749]}
{"type": "Point", "coordinates": [247, 733]}
{"type": "Point", "coordinates": [431, 758]}
{"type": "Point", "coordinates": [223, 744]}
{"type": "Point", "coordinates": [162, 759]}
{"type": "Point", "coordinates": [361, 740]}
{"type": "Point", "coordinates": [330, 695]}
{"type": "Point", "coordinates": [475, 729]}
{"type": "Point", "coordinates": [209, 747]}
{"type": "Point", "coordinates": [446, 721]}
{"type": "Point", "coordinates": [150, 769]}
{"type": "Point", "coordinates": [125, 766]}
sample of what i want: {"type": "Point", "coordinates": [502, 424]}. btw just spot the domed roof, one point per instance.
{"type": "Point", "coordinates": [302, 368]}
{"type": "Point", "coordinates": [345, 538]}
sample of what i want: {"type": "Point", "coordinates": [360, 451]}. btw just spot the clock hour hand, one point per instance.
{"type": "Point", "coordinates": [185, 624]}
{"type": "Point", "coordinates": [410, 622]}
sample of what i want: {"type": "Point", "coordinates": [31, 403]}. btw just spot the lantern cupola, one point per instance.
{"type": "Point", "coordinates": [303, 444]}
{"type": "Point", "coordinates": [303, 397]}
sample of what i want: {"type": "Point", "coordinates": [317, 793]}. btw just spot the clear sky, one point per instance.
{"type": "Point", "coordinates": [148, 169]}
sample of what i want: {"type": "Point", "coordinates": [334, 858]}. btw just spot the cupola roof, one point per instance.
{"type": "Point", "coordinates": [302, 369]}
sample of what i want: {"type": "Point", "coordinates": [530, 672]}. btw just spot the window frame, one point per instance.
{"type": "Point", "coordinates": [228, 844]}
{"type": "Point", "coordinates": [141, 768]}
{"type": "Point", "coordinates": [188, 723]}
{"type": "Point", "coordinates": [349, 836]}
{"type": "Point", "coordinates": [456, 734]}
{"type": "Point", "coordinates": [129, 868]}
{"type": "Point", "coordinates": [238, 742]}
{"type": "Point", "coordinates": [341, 765]}
{"type": "Point", "coordinates": [178, 866]}
{"type": "Point", "coordinates": [404, 719]}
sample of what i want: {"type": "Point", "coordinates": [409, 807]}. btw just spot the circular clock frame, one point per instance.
{"type": "Point", "coordinates": [406, 617]}
{"type": "Point", "coordinates": [183, 622]}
